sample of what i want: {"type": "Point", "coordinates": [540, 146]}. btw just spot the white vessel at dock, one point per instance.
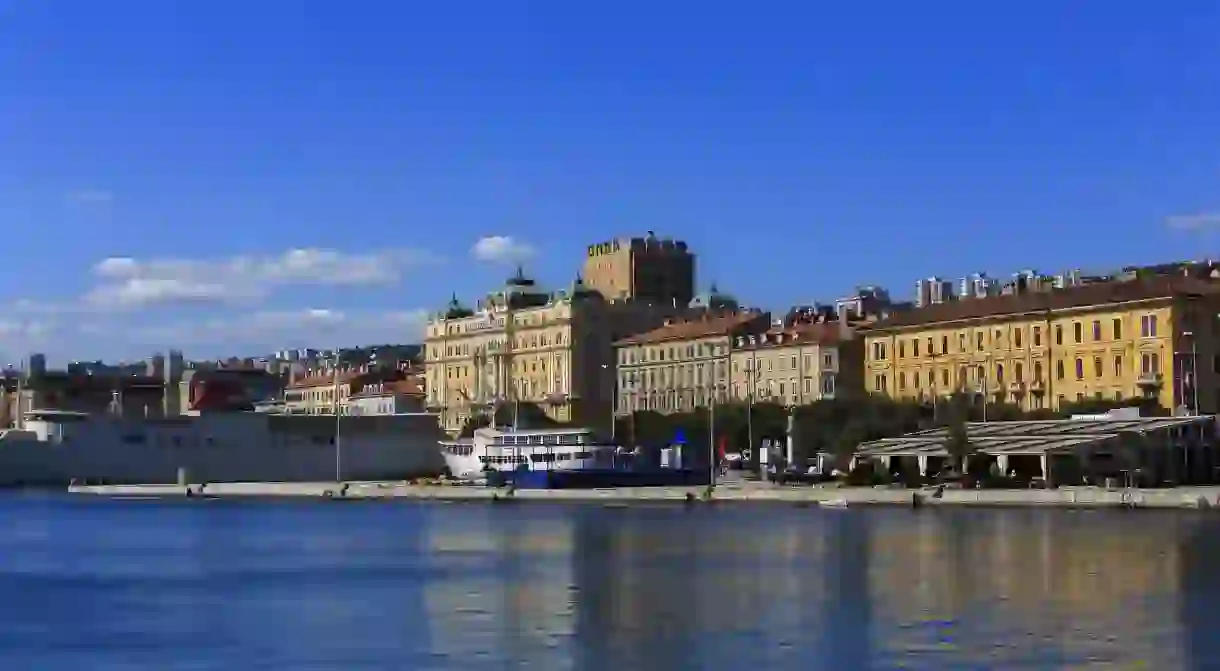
{"type": "Point", "coordinates": [54, 447]}
{"type": "Point", "coordinates": [508, 449]}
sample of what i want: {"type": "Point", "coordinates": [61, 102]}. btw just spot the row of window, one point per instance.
{"type": "Point", "coordinates": [1037, 402]}
{"type": "Point", "coordinates": [518, 366]}
{"type": "Point", "coordinates": [684, 375]}
{"type": "Point", "coordinates": [519, 321]}
{"type": "Point", "coordinates": [931, 347]}
{"type": "Point", "coordinates": [521, 342]}
{"type": "Point", "coordinates": [1150, 364]}
{"type": "Point", "coordinates": [778, 390]}
{"type": "Point", "coordinates": [785, 363]}
{"type": "Point", "coordinates": [673, 352]}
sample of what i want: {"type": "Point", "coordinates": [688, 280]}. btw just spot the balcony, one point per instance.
{"type": "Point", "coordinates": [1149, 380]}
{"type": "Point", "coordinates": [1037, 387]}
{"type": "Point", "coordinates": [1016, 387]}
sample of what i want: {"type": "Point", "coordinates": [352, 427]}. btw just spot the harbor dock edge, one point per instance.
{"type": "Point", "coordinates": [1066, 497]}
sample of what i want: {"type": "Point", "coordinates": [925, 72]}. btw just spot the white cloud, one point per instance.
{"type": "Point", "coordinates": [91, 196]}
{"type": "Point", "coordinates": [502, 249]}
{"type": "Point", "coordinates": [128, 283]}
{"type": "Point", "coordinates": [259, 332]}
{"type": "Point", "coordinates": [1194, 222]}
{"type": "Point", "coordinates": [23, 329]}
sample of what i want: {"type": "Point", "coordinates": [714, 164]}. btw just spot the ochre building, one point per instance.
{"type": "Point", "coordinates": [683, 364]}
{"type": "Point", "coordinates": [1113, 340]}
{"type": "Point", "coordinates": [522, 344]}
{"type": "Point", "coordinates": [797, 365]}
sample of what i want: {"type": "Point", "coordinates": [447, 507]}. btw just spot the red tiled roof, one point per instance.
{"type": "Point", "coordinates": [405, 387]}
{"type": "Point", "coordinates": [1102, 293]}
{"type": "Point", "coordinates": [323, 380]}
{"type": "Point", "coordinates": [701, 327]}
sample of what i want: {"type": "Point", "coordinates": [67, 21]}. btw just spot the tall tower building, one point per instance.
{"type": "Point", "coordinates": [649, 268]}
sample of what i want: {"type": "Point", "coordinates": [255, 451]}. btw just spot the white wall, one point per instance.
{"type": "Point", "coordinates": [232, 448]}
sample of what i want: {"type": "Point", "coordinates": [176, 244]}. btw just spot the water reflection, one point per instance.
{"type": "Point", "coordinates": [673, 588]}
{"type": "Point", "coordinates": [586, 587]}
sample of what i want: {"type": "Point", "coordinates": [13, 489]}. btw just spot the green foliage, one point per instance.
{"type": "Point", "coordinates": [957, 438]}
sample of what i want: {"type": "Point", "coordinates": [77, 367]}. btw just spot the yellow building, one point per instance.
{"type": "Point", "coordinates": [526, 345]}
{"type": "Point", "coordinates": [797, 365]}
{"type": "Point", "coordinates": [683, 364]}
{"type": "Point", "coordinates": [1113, 340]}
{"type": "Point", "coordinates": [318, 393]}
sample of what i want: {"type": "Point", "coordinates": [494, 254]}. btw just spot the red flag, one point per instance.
{"type": "Point", "coordinates": [722, 440]}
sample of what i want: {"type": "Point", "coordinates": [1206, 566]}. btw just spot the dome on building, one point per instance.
{"type": "Point", "coordinates": [714, 300]}
{"type": "Point", "coordinates": [579, 289]}
{"type": "Point", "coordinates": [455, 310]}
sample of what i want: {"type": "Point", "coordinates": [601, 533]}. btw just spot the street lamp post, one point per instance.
{"type": "Point", "coordinates": [711, 439]}
{"type": "Point", "coordinates": [338, 419]}
{"type": "Point", "coordinates": [1194, 372]}
{"type": "Point", "coordinates": [613, 400]}
{"type": "Point", "coordinates": [753, 373]}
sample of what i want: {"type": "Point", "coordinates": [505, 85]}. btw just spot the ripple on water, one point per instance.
{"type": "Point", "coordinates": [446, 587]}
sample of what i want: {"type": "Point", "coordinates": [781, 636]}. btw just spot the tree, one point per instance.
{"type": "Point", "coordinates": [957, 439]}
{"type": "Point", "coordinates": [848, 441]}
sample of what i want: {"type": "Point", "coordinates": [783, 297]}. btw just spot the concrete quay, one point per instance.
{"type": "Point", "coordinates": [1067, 497]}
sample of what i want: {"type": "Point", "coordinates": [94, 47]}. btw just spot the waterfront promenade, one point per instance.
{"type": "Point", "coordinates": [735, 492]}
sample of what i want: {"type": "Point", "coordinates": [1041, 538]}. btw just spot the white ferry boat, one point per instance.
{"type": "Point", "coordinates": [506, 449]}
{"type": "Point", "coordinates": [54, 447]}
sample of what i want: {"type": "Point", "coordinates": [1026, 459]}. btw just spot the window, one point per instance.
{"type": "Point", "coordinates": [978, 341]}
{"type": "Point", "coordinates": [1096, 330]}
{"type": "Point", "coordinates": [930, 350]}
{"type": "Point", "coordinates": [1078, 331]}
{"type": "Point", "coordinates": [931, 379]}
{"type": "Point", "coordinates": [961, 342]}
{"type": "Point", "coordinates": [944, 377]}
{"type": "Point", "coordinates": [1097, 366]}
{"type": "Point", "coordinates": [944, 344]}
{"type": "Point", "coordinates": [1058, 370]}
{"type": "Point", "coordinates": [1038, 371]}
{"type": "Point", "coordinates": [999, 373]}
{"type": "Point", "coordinates": [1148, 326]}
{"type": "Point", "coordinates": [1018, 371]}
{"type": "Point", "coordinates": [794, 362]}
{"type": "Point", "coordinates": [1037, 336]}
{"type": "Point", "coordinates": [1058, 334]}
{"type": "Point", "coordinates": [1118, 366]}
{"type": "Point", "coordinates": [1118, 329]}
{"type": "Point", "coordinates": [1016, 338]}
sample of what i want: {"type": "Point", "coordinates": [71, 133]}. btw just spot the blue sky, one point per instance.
{"type": "Point", "coordinates": [199, 144]}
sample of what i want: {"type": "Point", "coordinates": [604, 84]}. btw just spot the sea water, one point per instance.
{"type": "Point", "coordinates": [307, 585]}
